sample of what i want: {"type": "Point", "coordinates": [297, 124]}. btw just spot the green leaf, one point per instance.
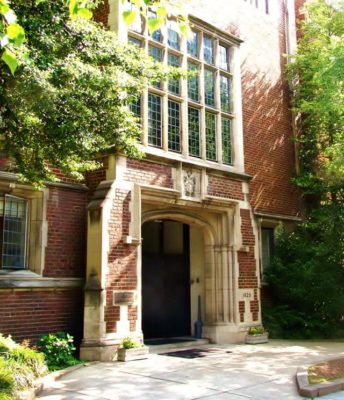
{"type": "Point", "coordinates": [4, 7]}
{"type": "Point", "coordinates": [129, 17]}
{"type": "Point", "coordinates": [73, 8]}
{"type": "Point", "coordinates": [16, 33]}
{"type": "Point", "coordinates": [154, 24]}
{"type": "Point", "coordinates": [84, 13]}
{"type": "Point", "coordinates": [161, 12]}
{"type": "Point", "coordinates": [10, 59]}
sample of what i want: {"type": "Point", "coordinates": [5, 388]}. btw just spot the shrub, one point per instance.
{"type": "Point", "coordinates": [256, 330]}
{"type": "Point", "coordinates": [58, 349]}
{"type": "Point", "coordinates": [7, 383]}
{"type": "Point", "coordinates": [31, 358]}
{"type": "Point", "coordinates": [130, 343]}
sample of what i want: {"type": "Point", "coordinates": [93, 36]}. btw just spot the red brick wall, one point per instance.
{"type": "Point", "coordinates": [66, 215]}
{"type": "Point", "coordinates": [224, 187]}
{"type": "Point", "coordinates": [247, 262]}
{"type": "Point", "coordinates": [102, 12]}
{"type": "Point", "coordinates": [268, 146]}
{"type": "Point", "coordinates": [121, 259]}
{"type": "Point", "coordinates": [31, 313]}
{"type": "Point", "coordinates": [149, 173]}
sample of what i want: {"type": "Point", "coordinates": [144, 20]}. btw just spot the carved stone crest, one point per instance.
{"type": "Point", "coordinates": [189, 184]}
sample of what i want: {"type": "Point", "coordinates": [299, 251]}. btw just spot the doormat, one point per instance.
{"type": "Point", "coordinates": [157, 342]}
{"type": "Point", "coordinates": [196, 353]}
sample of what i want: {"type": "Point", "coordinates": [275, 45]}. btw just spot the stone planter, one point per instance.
{"type": "Point", "coordinates": [137, 353]}
{"type": "Point", "coordinates": [257, 339]}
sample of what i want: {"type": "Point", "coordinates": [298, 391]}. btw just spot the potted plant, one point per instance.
{"type": "Point", "coordinates": [256, 335]}
{"type": "Point", "coordinates": [131, 349]}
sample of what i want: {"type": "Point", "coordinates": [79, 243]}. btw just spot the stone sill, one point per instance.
{"type": "Point", "coordinates": [10, 279]}
{"type": "Point", "coordinates": [321, 389]}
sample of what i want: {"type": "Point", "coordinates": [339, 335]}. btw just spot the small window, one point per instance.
{"type": "Point", "coordinates": [268, 245]}
{"type": "Point", "coordinates": [193, 44]}
{"type": "Point", "coordinates": [193, 83]}
{"type": "Point", "coordinates": [137, 25]}
{"type": "Point", "coordinates": [173, 84]}
{"type": "Point", "coordinates": [225, 93]}
{"type": "Point", "coordinates": [174, 126]}
{"type": "Point", "coordinates": [194, 132]}
{"type": "Point", "coordinates": [156, 54]}
{"type": "Point", "coordinates": [156, 35]}
{"type": "Point", "coordinates": [13, 224]}
{"type": "Point", "coordinates": [226, 141]}
{"type": "Point", "coordinates": [154, 120]}
{"type": "Point", "coordinates": [135, 108]}
{"type": "Point", "coordinates": [172, 36]}
{"type": "Point", "coordinates": [210, 136]}
{"type": "Point", "coordinates": [208, 51]}
{"type": "Point", "coordinates": [209, 88]}
{"type": "Point", "coordinates": [224, 58]}
{"type": "Point", "coordinates": [135, 41]}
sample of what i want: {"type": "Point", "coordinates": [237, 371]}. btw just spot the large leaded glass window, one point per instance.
{"type": "Point", "coordinates": [13, 224]}
{"type": "Point", "coordinates": [191, 115]}
{"type": "Point", "coordinates": [154, 120]}
{"type": "Point", "coordinates": [194, 132]}
{"type": "Point", "coordinates": [210, 136]}
{"type": "Point", "coordinates": [173, 126]}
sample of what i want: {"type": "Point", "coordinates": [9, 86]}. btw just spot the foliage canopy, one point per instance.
{"type": "Point", "coordinates": [306, 275]}
{"type": "Point", "coordinates": [70, 100]}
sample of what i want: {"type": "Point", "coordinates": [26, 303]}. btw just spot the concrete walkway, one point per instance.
{"type": "Point", "coordinates": [235, 372]}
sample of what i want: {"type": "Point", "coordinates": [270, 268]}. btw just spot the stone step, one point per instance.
{"type": "Point", "coordinates": [175, 346]}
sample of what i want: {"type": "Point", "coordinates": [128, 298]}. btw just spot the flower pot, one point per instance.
{"type": "Point", "coordinates": [257, 339]}
{"type": "Point", "coordinates": [137, 353]}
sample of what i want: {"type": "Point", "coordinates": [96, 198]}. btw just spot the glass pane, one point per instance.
{"type": "Point", "coordinates": [154, 120]}
{"type": "Point", "coordinates": [173, 126]}
{"type": "Point", "coordinates": [209, 88]}
{"type": "Point", "coordinates": [156, 35]}
{"type": "Point", "coordinates": [267, 246]}
{"type": "Point", "coordinates": [173, 84]}
{"type": "Point", "coordinates": [226, 141]}
{"type": "Point", "coordinates": [194, 134]}
{"type": "Point", "coordinates": [225, 93]}
{"type": "Point", "coordinates": [14, 233]}
{"type": "Point", "coordinates": [135, 108]}
{"type": "Point", "coordinates": [134, 41]}
{"type": "Point", "coordinates": [136, 26]}
{"type": "Point", "coordinates": [193, 44]}
{"type": "Point", "coordinates": [155, 53]}
{"type": "Point", "coordinates": [208, 52]}
{"type": "Point", "coordinates": [172, 36]}
{"type": "Point", "coordinates": [210, 136]}
{"type": "Point", "coordinates": [224, 58]}
{"type": "Point", "coordinates": [193, 83]}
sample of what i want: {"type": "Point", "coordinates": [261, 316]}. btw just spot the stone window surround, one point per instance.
{"type": "Point", "coordinates": [220, 38]}
{"type": "Point", "coordinates": [36, 238]}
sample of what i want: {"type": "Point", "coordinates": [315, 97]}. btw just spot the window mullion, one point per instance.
{"type": "Point", "coordinates": [184, 104]}
{"type": "Point", "coordinates": [144, 108]}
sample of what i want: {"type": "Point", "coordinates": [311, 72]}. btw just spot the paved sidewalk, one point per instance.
{"type": "Point", "coordinates": [238, 372]}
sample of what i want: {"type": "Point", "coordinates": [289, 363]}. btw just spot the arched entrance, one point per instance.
{"type": "Point", "coordinates": [166, 308]}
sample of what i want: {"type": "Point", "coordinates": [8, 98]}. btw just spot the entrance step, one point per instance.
{"type": "Point", "coordinates": [166, 345]}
